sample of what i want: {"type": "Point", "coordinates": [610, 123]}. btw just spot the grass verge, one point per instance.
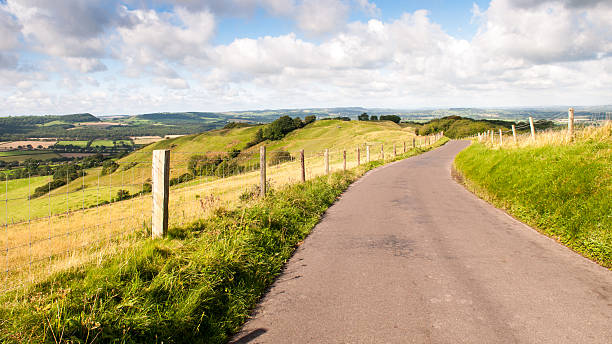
{"type": "Point", "coordinates": [195, 286]}
{"type": "Point", "coordinates": [563, 190]}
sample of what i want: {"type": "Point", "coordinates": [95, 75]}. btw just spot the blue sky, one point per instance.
{"type": "Point", "coordinates": [136, 56]}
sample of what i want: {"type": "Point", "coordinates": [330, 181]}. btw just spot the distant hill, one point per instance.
{"type": "Point", "coordinates": [32, 124]}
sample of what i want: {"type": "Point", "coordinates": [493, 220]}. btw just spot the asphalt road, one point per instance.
{"type": "Point", "coordinates": [407, 255]}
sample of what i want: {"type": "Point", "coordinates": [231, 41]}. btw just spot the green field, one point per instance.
{"type": "Point", "coordinates": [20, 155]}
{"type": "Point", "coordinates": [564, 190]}
{"type": "Point", "coordinates": [102, 143]}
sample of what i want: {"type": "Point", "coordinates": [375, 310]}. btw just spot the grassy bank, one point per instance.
{"type": "Point", "coordinates": [196, 286]}
{"type": "Point", "coordinates": [563, 189]}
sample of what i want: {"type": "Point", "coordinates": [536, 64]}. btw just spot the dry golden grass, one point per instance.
{"type": "Point", "coordinates": [550, 137]}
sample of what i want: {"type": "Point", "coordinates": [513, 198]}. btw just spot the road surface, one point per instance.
{"type": "Point", "coordinates": [407, 255]}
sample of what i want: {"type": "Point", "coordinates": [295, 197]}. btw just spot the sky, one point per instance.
{"type": "Point", "coordinates": [138, 56]}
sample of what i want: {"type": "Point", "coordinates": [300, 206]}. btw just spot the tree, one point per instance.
{"type": "Point", "coordinates": [392, 118]}
{"type": "Point", "coordinates": [363, 117]}
{"type": "Point", "coordinates": [309, 119]}
{"type": "Point", "coordinates": [374, 118]}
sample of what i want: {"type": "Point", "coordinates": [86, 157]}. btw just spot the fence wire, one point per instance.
{"type": "Point", "coordinates": [49, 226]}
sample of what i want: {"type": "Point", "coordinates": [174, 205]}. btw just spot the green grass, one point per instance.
{"type": "Point", "coordinates": [565, 191]}
{"type": "Point", "coordinates": [196, 286]}
{"type": "Point", "coordinates": [22, 155]}
{"type": "Point", "coordinates": [18, 188]}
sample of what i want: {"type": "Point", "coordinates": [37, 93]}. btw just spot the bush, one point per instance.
{"type": "Point", "coordinates": [201, 165]}
{"type": "Point", "coordinates": [109, 166]}
{"type": "Point", "coordinates": [185, 177]}
{"type": "Point", "coordinates": [279, 157]}
{"type": "Point", "coordinates": [309, 119]}
{"type": "Point", "coordinates": [392, 118]}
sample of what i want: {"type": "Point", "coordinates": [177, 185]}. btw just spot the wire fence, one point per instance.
{"type": "Point", "coordinates": [537, 133]}
{"type": "Point", "coordinates": [50, 226]}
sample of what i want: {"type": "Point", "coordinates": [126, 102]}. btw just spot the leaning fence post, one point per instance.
{"type": "Point", "coordinates": [514, 133]}
{"type": "Point", "coordinates": [570, 123]}
{"type": "Point", "coordinates": [532, 128]}
{"type": "Point", "coordinates": [262, 171]}
{"type": "Point", "coordinates": [161, 188]}
{"type": "Point", "coordinates": [368, 153]}
{"type": "Point", "coordinates": [358, 156]}
{"type": "Point", "coordinates": [303, 165]}
{"type": "Point", "coordinates": [344, 160]}
{"type": "Point", "coordinates": [326, 161]}
{"type": "Point", "coordinates": [501, 140]}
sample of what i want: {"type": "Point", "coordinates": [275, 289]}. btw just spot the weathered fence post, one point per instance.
{"type": "Point", "coordinates": [514, 133]}
{"type": "Point", "coordinates": [358, 156]}
{"type": "Point", "coordinates": [532, 128]}
{"type": "Point", "coordinates": [344, 160]}
{"type": "Point", "coordinates": [570, 123]}
{"type": "Point", "coordinates": [161, 189]}
{"type": "Point", "coordinates": [262, 173]}
{"type": "Point", "coordinates": [303, 165]}
{"type": "Point", "coordinates": [394, 151]}
{"type": "Point", "coordinates": [501, 140]}
{"type": "Point", "coordinates": [404, 146]}
{"type": "Point", "coordinates": [368, 153]}
{"type": "Point", "coordinates": [382, 151]}
{"type": "Point", "coordinates": [326, 155]}
{"type": "Point", "coordinates": [413, 143]}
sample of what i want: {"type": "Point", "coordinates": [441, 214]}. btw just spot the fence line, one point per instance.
{"type": "Point", "coordinates": [534, 136]}
{"type": "Point", "coordinates": [98, 209]}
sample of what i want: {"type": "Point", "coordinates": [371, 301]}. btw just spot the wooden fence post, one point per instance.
{"type": "Point", "coordinates": [413, 143]}
{"type": "Point", "coordinates": [492, 135]}
{"type": "Point", "coordinates": [368, 153]}
{"type": "Point", "coordinates": [514, 133]}
{"type": "Point", "coordinates": [358, 156]}
{"type": "Point", "coordinates": [161, 190]}
{"type": "Point", "coordinates": [394, 151]}
{"type": "Point", "coordinates": [570, 123]}
{"type": "Point", "coordinates": [501, 140]}
{"type": "Point", "coordinates": [262, 171]}
{"type": "Point", "coordinates": [532, 128]}
{"type": "Point", "coordinates": [303, 165]}
{"type": "Point", "coordinates": [382, 151]}
{"type": "Point", "coordinates": [344, 160]}
{"type": "Point", "coordinates": [404, 146]}
{"type": "Point", "coordinates": [326, 155]}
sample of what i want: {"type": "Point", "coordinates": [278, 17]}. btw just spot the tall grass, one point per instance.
{"type": "Point", "coordinates": [560, 186]}
{"type": "Point", "coordinates": [196, 286]}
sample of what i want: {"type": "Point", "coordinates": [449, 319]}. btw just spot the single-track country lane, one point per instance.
{"type": "Point", "coordinates": [408, 255]}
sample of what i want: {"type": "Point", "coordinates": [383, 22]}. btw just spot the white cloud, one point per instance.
{"type": "Point", "coordinates": [524, 53]}
{"type": "Point", "coordinates": [321, 16]}
{"type": "Point", "coordinates": [156, 37]}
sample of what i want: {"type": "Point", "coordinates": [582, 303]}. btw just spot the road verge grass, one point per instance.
{"type": "Point", "coordinates": [198, 285]}
{"type": "Point", "coordinates": [563, 190]}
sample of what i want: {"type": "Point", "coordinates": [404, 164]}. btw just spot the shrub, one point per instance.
{"type": "Point", "coordinates": [109, 166]}
{"type": "Point", "coordinates": [279, 157]}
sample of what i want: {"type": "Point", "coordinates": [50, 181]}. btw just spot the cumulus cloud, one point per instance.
{"type": "Point", "coordinates": [155, 36]}
{"type": "Point", "coordinates": [525, 52]}
{"type": "Point", "coordinates": [547, 32]}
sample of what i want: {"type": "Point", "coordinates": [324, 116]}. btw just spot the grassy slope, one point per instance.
{"type": "Point", "coordinates": [313, 138]}
{"type": "Point", "coordinates": [564, 191]}
{"type": "Point", "coordinates": [197, 286]}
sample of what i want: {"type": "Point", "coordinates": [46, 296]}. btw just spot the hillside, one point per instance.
{"type": "Point", "coordinates": [563, 189]}
{"type": "Point", "coordinates": [458, 127]}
